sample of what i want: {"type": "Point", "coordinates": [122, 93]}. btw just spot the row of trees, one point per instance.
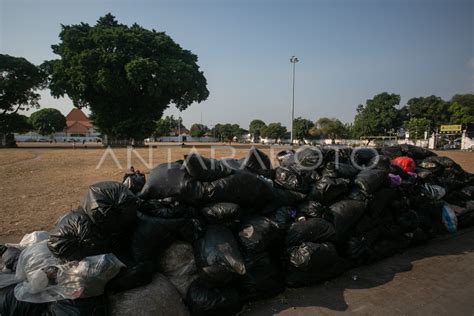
{"type": "Point", "coordinates": [382, 114]}
{"type": "Point", "coordinates": [128, 75]}
{"type": "Point", "coordinates": [45, 122]}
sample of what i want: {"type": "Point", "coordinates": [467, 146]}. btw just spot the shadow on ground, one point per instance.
{"type": "Point", "coordinates": [332, 295]}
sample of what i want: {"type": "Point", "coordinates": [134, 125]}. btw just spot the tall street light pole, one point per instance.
{"type": "Point", "coordinates": [293, 60]}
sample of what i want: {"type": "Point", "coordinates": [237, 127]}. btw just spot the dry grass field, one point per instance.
{"type": "Point", "coordinates": [40, 184]}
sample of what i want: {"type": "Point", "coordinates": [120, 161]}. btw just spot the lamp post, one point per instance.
{"type": "Point", "coordinates": [293, 60]}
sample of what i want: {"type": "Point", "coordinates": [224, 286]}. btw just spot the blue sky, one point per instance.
{"type": "Point", "coordinates": [348, 50]}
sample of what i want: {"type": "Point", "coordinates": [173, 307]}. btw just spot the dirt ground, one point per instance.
{"type": "Point", "coordinates": [41, 184]}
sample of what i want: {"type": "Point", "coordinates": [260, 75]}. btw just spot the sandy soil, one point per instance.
{"type": "Point", "coordinates": [41, 184]}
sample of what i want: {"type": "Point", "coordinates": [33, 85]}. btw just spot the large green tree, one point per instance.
{"type": "Point", "coordinates": [14, 123]}
{"type": "Point", "coordinates": [331, 128]}
{"type": "Point", "coordinates": [198, 130]}
{"type": "Point", "coordinates": [19, 82]}
{"type": "Point", "coordinates": [255, 129]}
{"type": "Point", "coordinates": [48, 121]}
{"type": "Point", "coordinates": [126, 75]}
{"type": "Point", "coordinates": [417, 127]}
{"type": "Point", "coordinates": [301, 128]}
{"type": "Point", "coordinates": [274, 131]}
{"type": "Point", "coordinates": [164, 125]}
{"type": "Point", "coordinates": [432, 108]}
{"type": "Point", "coordinates": [227, 131]}
{"type": "Point", "coordinates": [461, 109]}
{"type": "Point", "coordinates": [378, 115]}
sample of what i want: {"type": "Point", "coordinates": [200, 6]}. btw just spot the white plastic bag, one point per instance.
{"type": "Point", "coordinates": [30, 239]}
{"type": "Point", "coordinates": [50, 281]}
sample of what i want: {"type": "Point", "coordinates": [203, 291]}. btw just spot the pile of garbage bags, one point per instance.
{"type": "Point", "coordinates": [203, 236]}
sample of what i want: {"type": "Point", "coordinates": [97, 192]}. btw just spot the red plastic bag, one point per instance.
{"type": "Point", "coordinates": [406, 163]}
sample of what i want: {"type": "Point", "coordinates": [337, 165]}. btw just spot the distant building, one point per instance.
{"type": "Point", "coordinates": [78, 127]}
{"type": "Point", "coordinates": [78, 124]}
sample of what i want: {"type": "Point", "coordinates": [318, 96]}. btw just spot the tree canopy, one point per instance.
{"type": "Point", "coordinates": [48, 121]}
{"type": "Point", "coordinates": [126, 75]}
{"type": "Point", "coordinates": [274, 131]}
{"type": "Point", "coordinates": [255, 129]}
{"type": "Point", "coordinates": [378, 115]}
{"type": "Point", "coordinates": [14, 123]}
{"type": "Point", "coordinates": [301, 128]}
{"type": "Point", "coordinates": [329, 128]}
{"type": "Point", "coordinates": [461, 109]}
{"type": "Point", "coordinates": [227, 131]}
{"type": "Point", "coordinates": [164, 125]}
{"type": "Point", "coordinates": [432, 108]}
{"type": "Point", "coordinates": [417, 127]}
{"type": "Point", "coordinates": [198, 130]}
{"type": "Point", "coordinates": [19, 81]}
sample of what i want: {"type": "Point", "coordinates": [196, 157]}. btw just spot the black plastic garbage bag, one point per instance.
{"type": "Point", "coordinates": [91, 306]}
{"type": "Point", "coordinates": [263, 278]}
{"type": "Point", "coordinates": [206, 300]}
{"type": "Point", "coordinates": [392, 151]}
{"type": "Point", "coordinates": [10, 257]}
{"type": "Point", "coordinates": [259, 163]}
{"type": "Point", "coordinates": [76, 237]}
{"type": "Point", "coordinates": [205, 169]}
{"type": "Point", "coordinates": [245, 189]}
{"type": "Point", "coordinates": [345, 215]}
{"type": "Point", "coordinates": [135, 182]}
{"type": "Point", "coordinates": [293, 178]}
{"type": "Point", "coordinates": [416, 152]}
{"type": "Point", "coordinates": [362, 156]}
{"type": "Point", "coordinates": [257, 233]}
{"type": "Point", "coordinates": [339, 170]}
{"type": "Point", "coordinates": [111, 206]}
{"type": "Point", "coordinates": [284, 216]}
{"type": "Point", "coordinates": [436, 164]}
{"type": "Point", "coordinates": [131, 277]}
{"type": "Point", "coordinates": [172, 180]}
{"type": "Point", "coordinates": [381, 162]}
{"type": "Point", "coordinates": [221, 212]}
{"type": "Point", "coordinates": [326, 189]}
{"type": "Point", "coordinates": [311, 157]}
{"type": "Point", "coordinates": [424, 174]}
{"type": "Point", "coordinates": [312, 229]}
{"type": "Point", "coordinates": [311, 263]}
{"type": "Point", "coordinates": [468, 191]}
{"type": "Point", "coordinates": [313, 209]}
{"type": "Point", "coordinates": [286, 157]}
{"type": "Point", "coordinates": [218, 257]}
{"type": "Point", "coordinates": [10, 306]}
{"type": "Point", "coordinates": [167, 208]}
{"type": "Point", "coordinates": [153, 234]}
{"type": "Point", "coordinates": [371, 180]}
